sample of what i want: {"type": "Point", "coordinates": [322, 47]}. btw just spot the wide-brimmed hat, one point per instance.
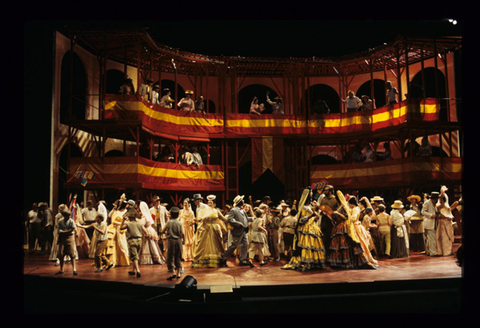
{"type": "Point", "coordinates": [131, 202]}
{"type": "Point", "coordinates": [156, 86]}
{"type": "Point", "coordinates": [418, 198]}
{"type": "Point", "coordinates": [189, 92]}
{"type": "Point", "coordinates": [237, 200]}
{"type": "Point", "coordinates": [282, 203]}
{"type": "Point", "coordinates": [434, 194]}
{"type": "Point", "coordinates": [397, 204]}
{"type": "Point", "coordinates": [376, 199]}
{"type": "Point", "coordinates": [156, 198]}
{"type": "Point", "coordinates": [197, 196]}
{"type": "Point", "coordinates": [211, 197]}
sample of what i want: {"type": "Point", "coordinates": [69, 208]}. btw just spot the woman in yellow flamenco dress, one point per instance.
{"type": "Point", "coordinates": [117, 246]}
{"type": "Point", "coordinates": [309, 251]}
{"type": "Point", "coordinates": [208, 242]}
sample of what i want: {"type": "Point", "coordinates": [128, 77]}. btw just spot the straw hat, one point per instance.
{"type": "Point", "coordinates": [418, 198]}
{"type": "Point", "coordinates": [282, 203]}
{"type": "Point", "coordinates": [397, 204]}
{"type": "Point", "coordinates": [237, 200]}
{"type": "Point", "coordinates": [376, 199]}
{"type": "Point", "coordinates": [211, 197]}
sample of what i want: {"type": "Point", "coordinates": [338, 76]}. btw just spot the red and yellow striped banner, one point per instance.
{"type": "Point", "coordinates": [389, 173]}
{"type": "Point", "coordinates": [269, 124]}
{"type": "Point", "coordinates": [370, 120]}
{"type": "Point", "coordinates": [165, 120]}
{"type": "Point", "coordinates": [150, 174]}
{"type": "Point", "coordinates": [180, 123]}
{"type": "Point", "coordinates": [267, 153]}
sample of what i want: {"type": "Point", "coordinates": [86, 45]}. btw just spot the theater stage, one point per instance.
{"type": "Point", "coordinates": [418, 284]}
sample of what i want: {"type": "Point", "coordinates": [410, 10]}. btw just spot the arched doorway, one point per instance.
{"type": "Point", "coordinates": [378, 91]}
{"type": "Point", "coordinates": [268, 185]}
{"type": "Point", "coordinates": [430, 86]}
{"type": "Point", "coordinates": [114, 153]}
{"type": "Point", "coordinates": [323, 160]}
{"type": "Point", "coordinates": [246, 95]}
{"type": "Point", "coordinates": [169, 84]}
{"type": "Point", "coordinates": [322, 92]}
{"type": "Point", "coordinates": [79, 88]}
{"type": "Point", "coordinates": [115, 79]}
{"type": "Point", "coordinates": [75, 151]}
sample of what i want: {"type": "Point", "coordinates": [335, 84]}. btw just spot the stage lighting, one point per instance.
{"type": "Point", "coordinates": [189, 283]}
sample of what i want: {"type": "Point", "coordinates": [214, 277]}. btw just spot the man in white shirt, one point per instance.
{"type": "Point", "coordinates": [156, 95]}
{"type": "Point", "coordinates": [160, 214]}
{"type": "Point", "coordinates": [198, 201]}
{"type": "Point", "coordinates": [89, 214]}
{"type": "Point", "coordinates": [429, 216]}
{"type": "Point", "coordinates": [353, 102]}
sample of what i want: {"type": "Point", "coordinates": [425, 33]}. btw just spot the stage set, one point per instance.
{"type": "Point", "coordinates": [111, 134]}
{"type": "Point", "coordinates": [417, 284]}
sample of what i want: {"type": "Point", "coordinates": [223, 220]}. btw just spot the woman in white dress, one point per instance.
{"type": "Point", "coordinates": [444, 233]}
{"type": "Point", "coordinates": [150, 252]}
{"type": "Point", "coordinates": [187, 217]}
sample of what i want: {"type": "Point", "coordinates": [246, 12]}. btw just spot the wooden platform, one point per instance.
{"type": "Point", "coordinates": [409, 279]}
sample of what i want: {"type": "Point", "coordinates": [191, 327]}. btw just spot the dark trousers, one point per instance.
{"type": "Point", "coordinates": [35, 232]}
{"type": "Point", "coordinates": [174, 254]}
{"type": "Point", "coordinates": [288, 241]}
{"type": "Point", "coordinates": [273, 243]}
{"type": "Point", "coordinates": [241, 241]}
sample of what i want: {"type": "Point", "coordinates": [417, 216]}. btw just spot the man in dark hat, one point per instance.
{"type": "Point", "coordinates": [429, 213]}
{"type": "Point", "coordinates": [277, 105]}
{"type": "Point", "coordinates": [135, 231]}
{"type": "Point", "coordinates": [199, 204]}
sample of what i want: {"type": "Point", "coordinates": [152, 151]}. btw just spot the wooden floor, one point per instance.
{"type": "Point", "coordinates": [419, 283]}
{"type": "Point", "coordinates": [417, 266]}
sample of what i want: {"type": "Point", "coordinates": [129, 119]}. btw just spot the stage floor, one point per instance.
{"type": "Point", "coordinates": [417, 266]}
{"type": "Point", "coordinates": [417, 284]}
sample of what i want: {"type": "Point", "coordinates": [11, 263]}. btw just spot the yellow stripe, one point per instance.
{"type": "Point", "coordinates": [151, 171]}
{"type": "Point", "coordinates": [188, 120]}
{"type": "Point", "coordinates": [179, 174]}
{"type": "Point", "coordinates": [266, 123]}
{"type": "Point", "coordinates": [110, 105]}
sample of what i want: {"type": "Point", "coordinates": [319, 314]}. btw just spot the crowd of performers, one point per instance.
{"type": "Point", "coordinates": [326, 228]}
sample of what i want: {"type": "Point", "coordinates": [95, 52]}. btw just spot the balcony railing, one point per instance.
{"type": "Point", "coordinates": [175, 123]}
{"type": "Point", "coordinates": [144, 173]}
